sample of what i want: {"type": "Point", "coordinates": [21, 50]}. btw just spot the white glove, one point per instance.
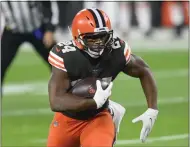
{"type": "Point", "coordinates": [148, 118]}
{"type": "Point", "coordinates": [101, 95]}
{"type": "Point", "coordinates": [117, 111]}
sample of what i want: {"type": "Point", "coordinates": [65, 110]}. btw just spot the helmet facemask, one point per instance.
{"type": "Point", "coordinates": [95, 43]}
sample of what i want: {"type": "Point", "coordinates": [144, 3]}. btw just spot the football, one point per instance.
{"type": "Point", "coordinates": [87, 87]}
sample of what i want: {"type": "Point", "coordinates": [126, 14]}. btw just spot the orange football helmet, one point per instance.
{"type": "Point", "coordinates": [91, 30]}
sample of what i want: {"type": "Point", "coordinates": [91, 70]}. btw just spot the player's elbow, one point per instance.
{"type": "Point", "coordinates": [59, 106]}
{"type": "Point", "coordinates": [144, 71]}
{"type": "Point", "coordinates": [56, 106]}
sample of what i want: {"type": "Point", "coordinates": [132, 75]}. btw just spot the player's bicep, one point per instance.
{"type": "Point", "coordinates": [135, 67]}
{"type": "Point", "coordinates": [58, 83]}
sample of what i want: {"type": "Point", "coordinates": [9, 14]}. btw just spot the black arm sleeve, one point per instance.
{"type": "Point", "coordinates": [47, 13]}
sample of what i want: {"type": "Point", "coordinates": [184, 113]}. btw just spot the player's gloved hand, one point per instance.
{"type": "Point", "coordinates": [117, 111]}
{"type": "Point", "coordinates": [101, 95]}
{"type": "Point", "coordinates": [148, 118]}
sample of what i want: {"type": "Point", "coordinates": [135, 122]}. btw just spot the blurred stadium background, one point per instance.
{"type": "Point", "coordinates": [156, 31]}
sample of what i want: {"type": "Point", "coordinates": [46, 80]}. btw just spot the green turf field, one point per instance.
{"type": "Point", "coordinates": [26, 114]}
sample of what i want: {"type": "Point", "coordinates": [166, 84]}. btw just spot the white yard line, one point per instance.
{"type": "Point", "coordinates": [137, 141]}
{"type": "Point", "coordinates": [161, 101]}
{"type": "Point", "coordinates": [40, 87]}
{"type": "Point", "coordinates": [153, 139]}
{"type": "Point", "coordinates": [47, 111]}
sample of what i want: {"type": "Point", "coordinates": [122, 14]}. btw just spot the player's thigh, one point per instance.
{"type": "Point", "coordinates": [61, 134]}
{"type": "Point", "coordinates": [100, 132]}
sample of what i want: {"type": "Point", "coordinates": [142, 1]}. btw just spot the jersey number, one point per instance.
{"type": "Point", "coordinates": [116, 45]}
{"type": "Point", "coordinates": [66, 46]}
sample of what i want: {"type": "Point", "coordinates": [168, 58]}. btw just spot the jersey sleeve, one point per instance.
{"type": "Point", "coordinates": [124, 48]}
{"type": "Point", "coordinates": [56, 58]}
{"type": "Point", "coordinates": [127, 52]}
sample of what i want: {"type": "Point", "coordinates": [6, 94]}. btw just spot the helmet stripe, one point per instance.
{"type": "Point", "coordinates": [102, 17]}
{"type": "Point", "coordinates": [98, 17]}
{"type": "Point", "coordinates": [95, 17]}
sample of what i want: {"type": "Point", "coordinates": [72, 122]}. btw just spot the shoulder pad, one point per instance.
{"type": "Point", "coordinates": [57, 53]}
{"type": "Point", "coordinates": [124, 46]}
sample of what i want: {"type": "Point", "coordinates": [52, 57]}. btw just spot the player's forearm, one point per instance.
{"type": "Point", "coordinates": [149, 87]}
{"type": "Point", "coordinates": [69, 102]}
{"type": "Point", "coordinates": [139, 69]}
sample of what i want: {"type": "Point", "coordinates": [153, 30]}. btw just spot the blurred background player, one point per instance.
{"type": "Point", "coordinates": [177, 10]}
{"type": "Point", "coordinates": [26, 21]}
{"type": "Point", "coordinates": [2, 26]}
{"type": "Point", "coordinates": [137, 20]}
{"type": "Point", "coordinates": [67, 11]}
{"type": "Point", "coordinates": [125, 11]}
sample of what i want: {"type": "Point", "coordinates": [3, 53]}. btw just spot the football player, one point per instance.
{"type": "Point", "coordinates": [94, 52]}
